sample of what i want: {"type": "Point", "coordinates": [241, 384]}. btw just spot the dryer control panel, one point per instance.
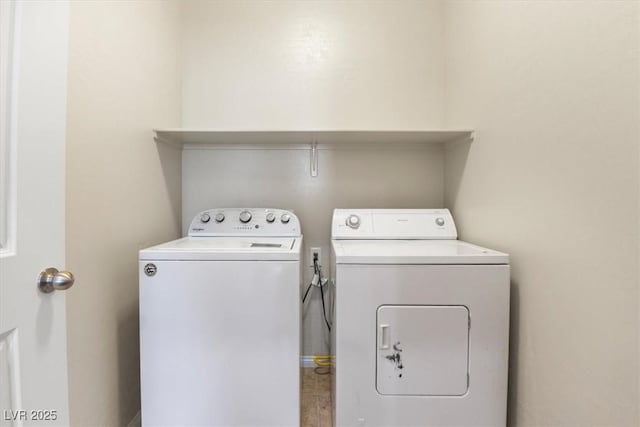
{"type": "Point", "coordinates": [245, 222]}
{"type": "Point", "coordinates": [401, 224]}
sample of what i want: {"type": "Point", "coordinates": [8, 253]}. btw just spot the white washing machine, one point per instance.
{"type": "Point", "coordinates": [220, 322]}
{"type": "Point", "coordinates": [421, 327]}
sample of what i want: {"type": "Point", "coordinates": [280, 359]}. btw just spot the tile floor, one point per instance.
{"type": "Point", "coordinates": [316, 399]}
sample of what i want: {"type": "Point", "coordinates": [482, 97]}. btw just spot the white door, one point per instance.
{"type": "Point", "coordinates": [33, 358]}
{"type": "Point", "coordinates": [423, 350]}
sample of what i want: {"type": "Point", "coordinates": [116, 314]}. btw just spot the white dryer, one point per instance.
{"type": "Point", "coordinates": [421, 326]}
{"type": "Point", "coordinates": [220, 322]}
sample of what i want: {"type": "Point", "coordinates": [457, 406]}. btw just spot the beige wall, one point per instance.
{"type": "Point", "coordinates": [123, 192]}
{"type": "Point", "coordinates": [552, 178]}
{"type": "Point", "coordinates": [312, 65]}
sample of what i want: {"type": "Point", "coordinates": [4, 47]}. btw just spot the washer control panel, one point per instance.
{"type": "Point", "coordinates": [245, 222]}
{"type": "Point", "coordinates": [400, 224]}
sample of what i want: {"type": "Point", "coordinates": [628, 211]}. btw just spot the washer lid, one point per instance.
{"type": "Point", "coordinates": [226, 249]}
{"type": "Point", "coordinates": [414, 252]}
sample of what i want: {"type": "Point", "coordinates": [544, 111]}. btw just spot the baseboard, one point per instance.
{"type": "Point", "coordinates": [307, 362]}
{"type": "Point", "coordinates": [135, 421]}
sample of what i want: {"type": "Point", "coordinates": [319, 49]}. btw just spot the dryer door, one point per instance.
{"type": "Point", "coordinates": [422, 350]}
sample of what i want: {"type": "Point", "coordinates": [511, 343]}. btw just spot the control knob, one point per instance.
{"type": "Point", "coordinates": [440, 221]}
{"type": "Point", "coordinates": [271, 217]}
{"type": "Point", "coordinates": [285, 218]}
{"type": "Point", "coordinates": [353, 221]}
{"type": "Point", "coordinates": [205, 218]}
{"type": "Point", "coordinates": [219, 217]}
{"type": "Point", "coordinates": [245, 216]}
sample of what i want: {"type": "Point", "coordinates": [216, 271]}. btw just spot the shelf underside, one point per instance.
{"type": "Point", "coordinates": [322, 137]}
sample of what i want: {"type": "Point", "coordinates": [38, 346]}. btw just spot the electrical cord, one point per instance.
{"type": "Point", "coordinates": [317, 275]}
{"type": "Point", "coordinates": [324, 310]}
{"type": "Point", "coordinates": [304, 298]}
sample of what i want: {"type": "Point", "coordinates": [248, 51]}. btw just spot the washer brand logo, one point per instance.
{"type": "Point", "coordinates": [150, 270]}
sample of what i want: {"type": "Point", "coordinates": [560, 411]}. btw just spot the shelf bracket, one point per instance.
{"type": "Point", "coordinates": [314, 159]}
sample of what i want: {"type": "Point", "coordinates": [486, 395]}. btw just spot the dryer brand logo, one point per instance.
{"type": "Point", "coordinates": [150, 269]}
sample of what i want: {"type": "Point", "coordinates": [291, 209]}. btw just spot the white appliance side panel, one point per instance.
{"type": "Point", "coordinates": [361, 289]}
{"type": "Point", "coordinates": [422, 350]}
{"type": "Point", "coordinates": [220, 343]}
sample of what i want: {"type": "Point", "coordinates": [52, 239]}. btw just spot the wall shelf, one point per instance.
{"type": "Point", "coordinates": [197, 139]}
{"type": "Point", "coordinates": [194, 138]}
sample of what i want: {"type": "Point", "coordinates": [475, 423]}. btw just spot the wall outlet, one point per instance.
{"type": "Point", "coordinates": [315, 250]}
